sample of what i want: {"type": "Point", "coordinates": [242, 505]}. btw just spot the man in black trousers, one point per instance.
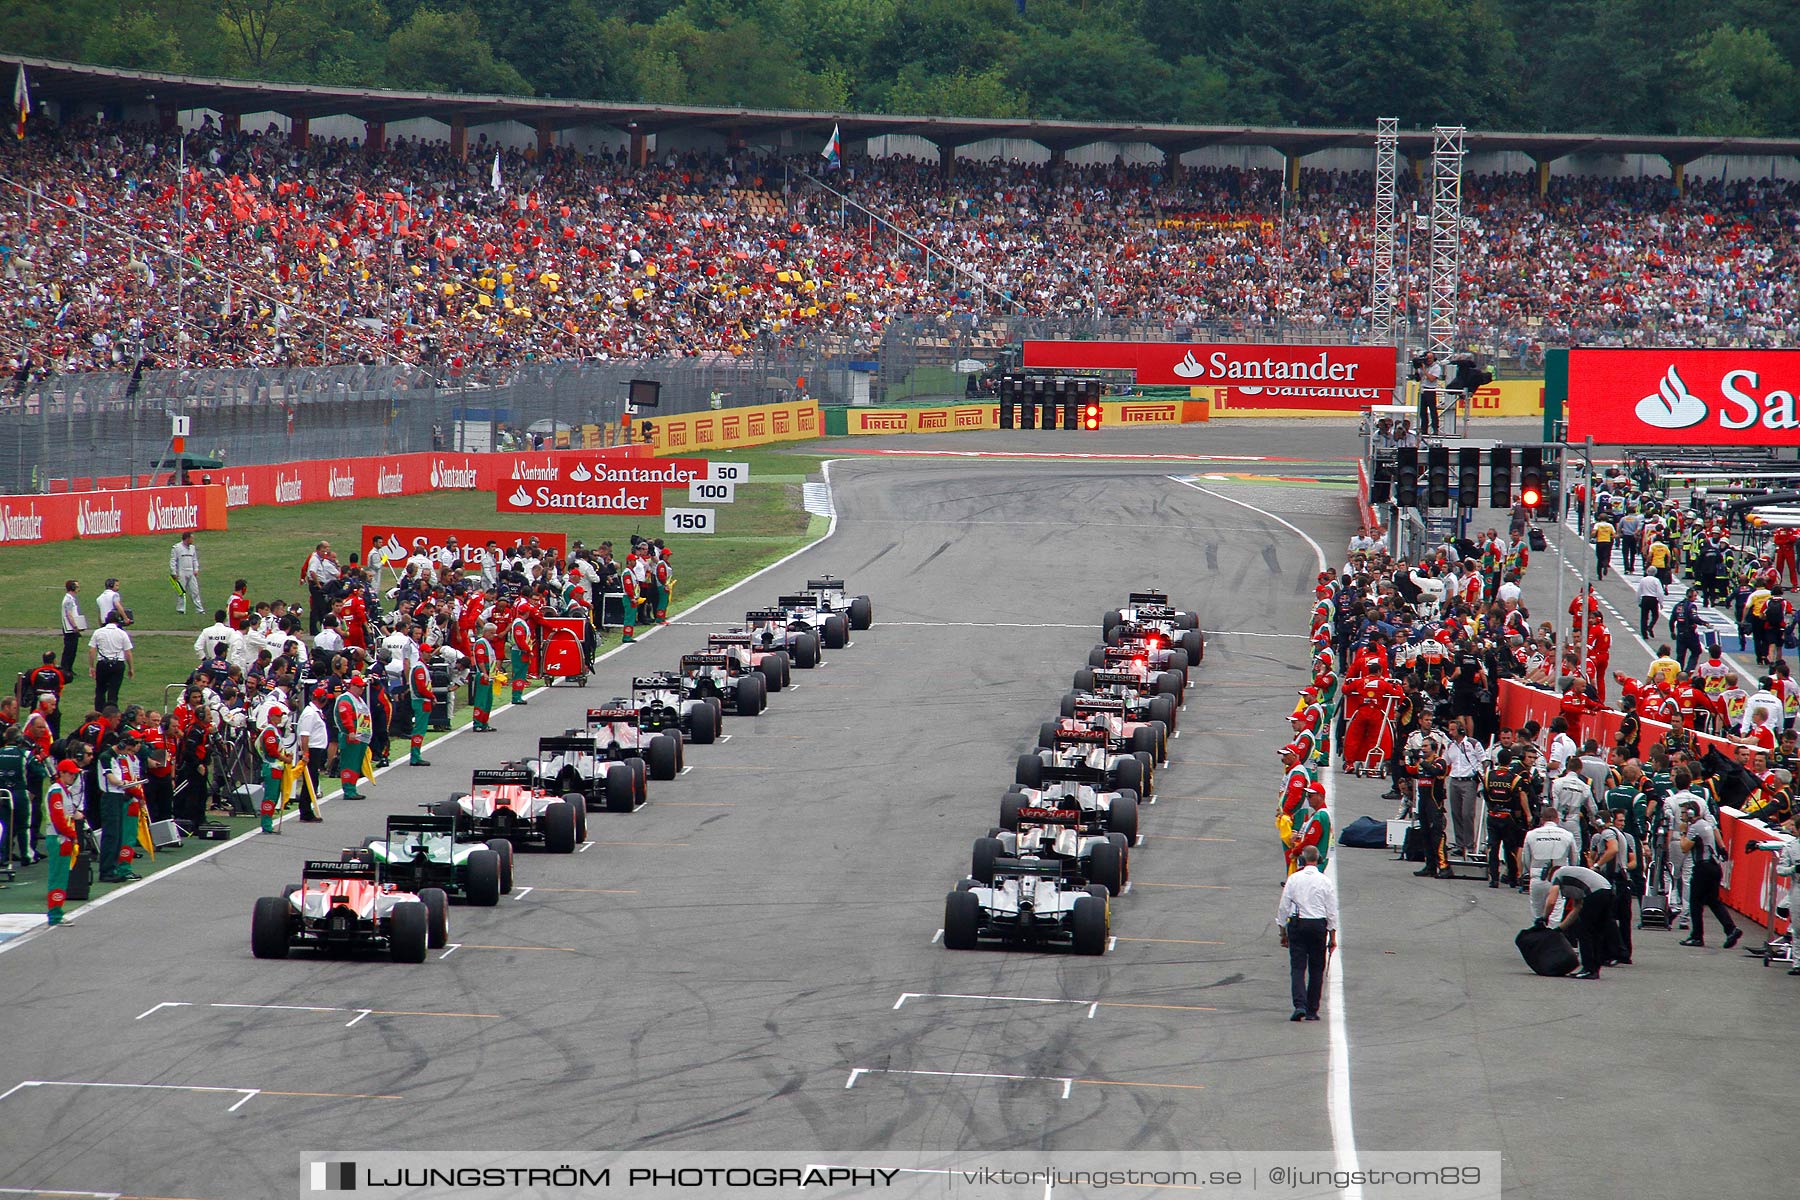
{"type": "Point", "coordinates": [1588, 916]}
{"type": "Point", "coordinates": [1308, 918]}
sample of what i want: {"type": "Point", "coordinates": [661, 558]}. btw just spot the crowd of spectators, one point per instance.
{"type": "Point", "coordinates": [119, 245]}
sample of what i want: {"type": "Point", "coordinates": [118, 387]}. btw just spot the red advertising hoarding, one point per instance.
{"type": "Point", "coordinates": [1303, 373]}
{"type": "Point", "coordinates": [602, 469]}
{"type": "Point", "coordinates": [1684, 397]}
{"type": "Point", "coordinates": [585, 499]}
{"type": "Point", "coordinates": [469, 541]}
{"type": "Point", "coordinates": [64, 516]}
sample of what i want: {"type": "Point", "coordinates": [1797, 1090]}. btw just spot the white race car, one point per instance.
{"type": "Point", "coordinates": [1029, 902]}
{"type": "Point", "coordinates": [858, 610]}
{"type": "Point", "coordinates": [1088, 853]}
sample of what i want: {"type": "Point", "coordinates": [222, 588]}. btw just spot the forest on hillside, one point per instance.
{"type": "Point", "coordinates": [1630, 66]}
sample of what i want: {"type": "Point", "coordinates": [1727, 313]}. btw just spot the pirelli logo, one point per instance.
{"type": "Point", "coordinates": [1149, 414]}
{"type": "Point", "coordinates": [731, 429]}
{"type": "Point", "coordinates": [934, 419]}
{"type": "Point", "coordinates": [758, 425]}
{"type": "Point", "coordinates": [703, 431]}
{"type": "Point", "coordinates": [809, 420]}
{"type": "Point", "coordinates": [781, 423]}
{"type": "Point", "coordinates": [885, 422]}
{"type": "Point", "coordinates": [675, 434]}
{"type": "Point", "coordinates": [970, 418]}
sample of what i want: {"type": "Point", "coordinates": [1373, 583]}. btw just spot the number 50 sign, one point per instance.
{"type": "Point", "coordinates": [689, 520]}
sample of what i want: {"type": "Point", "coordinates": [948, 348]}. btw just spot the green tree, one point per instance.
{"type": "Point", "coordinates": [136, 38]}
{"type": "Point", "coordinates": [446, 52]}
{"type": "Point", "coordinates": [1737, 83]}
{"type": "Point", "coordinates": [963, 94]}
{"type": "Point", "coordinates": [567, 48]}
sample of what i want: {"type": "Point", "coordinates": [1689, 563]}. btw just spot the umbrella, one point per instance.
{"type": "Point", "coordinates": [548, 426]}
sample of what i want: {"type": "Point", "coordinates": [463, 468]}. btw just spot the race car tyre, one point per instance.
{"type": "Point", "coordinates": [787, 668]}
{"type": "Point", "coordinates": [1187, 620]}
{"type": "Point", "coordinates": [1118, 839]}
{"type": "Point", "coordinates": [269, 927]}
{"type": "Point", "coordinates": [1084, 679]}
{"type": "Point", "coordinates": [482, 888]}
{"type": "Point", "coordinates": [1162, 742]}
{"type": "Point", "coordinates": [1179, 661]}
{"type": "Point", "coordinates": [621, 794]}
{"type": "Point", "coordinates": [835, 632]}
{"type": "Point", "coordinates": [580, 821]}
{"type": "Point", "coordinates": [1029, 772]}
{"type": "Point", "coordinates": [1194, 644]}
{"type": "Point", "coordinates": [1115, 636]}
{"type": "Point", "coordinates": [703, 724]}
{"type": "Point", "coordinates": [1010, 804]}
{"type": "Point", "coordinates": [1162, 708]}
{"type": "Point", "coordinates": [1097, 657]}
{"type": "Point", "coordinates": [1067, 707]}
{"type": "Point", "coordinates": [1144, 738]}
{"type": "Point", "coordinates": [559, 828]}
{"type": "Point", "coordinates": [862, 612]}
{"type": "Point", "coordinates": [1094, 889]}
{"type": "Point", "coordinates": [981, 862]}
{"type": "Point", "coordinates": [640, 778]}
{"type": "Point", "coordinates": [1168, 683]}
{"type": "Point", "coordinates": [1122, 815]}
{"type": "Point", "coordinates": [446, 808]}
{"type": "Point", "coordinates": [1112, 618]}
{"type": "Point", "coordinates": [1130, 774]}
{"type": "Point", "coordinates": [770, 670]}
{"type": "Point", "coordinates": [806, 651]}
{"type": "Point", "coordinates": [437, 908]}
{"type": "Point", "coordinates": [1046, 735]}
{"type": "Point", "coordinates": [1149, 772]}
{"type": "Point", "coordinates": [962, 920]}
{"type": "Point", "coordinates": [504, 848]}
{"type": "Point", "coordinates": [1090, 925]}
{"type": "Point", "coordinates": [664, 757]}
{"type": "Point", "coordinates": [718, 707]}
{"type": "Point", "coordinates": [1106, 866]}
{"type": "Point", "coordinates": [409, 932]}
{"type": "Point", "coordinates": [680, 753]}
{"type": "Point", "coordinates": [966, 885]}
{"type": "Point", "coordinates": [752, 695]}
{"type": "Point", "coordinates": [291, 888]}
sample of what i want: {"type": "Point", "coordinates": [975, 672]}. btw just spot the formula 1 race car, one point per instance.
{"type": "Point", "coordinates": [1088, 854]}
{"type": "Point", "coordinates": [342, 906]}
{"type": "Point", "coordinates": [587, 763]}
{"type": "Point", "coordinates": [1086, 750]}
{"type": "Point", "coordinates": [1122, 736]}
{"type": "Point", "coordinates": [832, 597]}
{"type": "Point", "coordinates": [667, 702]}
{"type": "Point", "coordinates": [422, 853]}
{"type": "Point", "coordinates": [1029, 902]}
{"type": "Point", "coordinates": [1133, 675]}
{"type": "Point", "coordinates": [809, 609]}
{"type": "Point", "coordinates": [1150, 613]}
{"type": "Point", "coordinates": [1105, 810]}
{"type": "Point", "coordinates": [508, 802]}
{"type": "Point", "coordinates": [778, 629]}
{"type": "Point", "coordinates": [1133, 653]}
{"type": "Point", "coordinates": [775, 665]}
{"type": "Point", "coordinates": [724, 673]}
{"type": "Point", "coordinates": [1124, 702]}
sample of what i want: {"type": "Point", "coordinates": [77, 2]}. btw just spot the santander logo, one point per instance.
{"type": "Point", "coordinates": [25, 526]}
{"type": "Point", "coordinates": [389, 484]}
{"type": "Point", "coordinates": [1189, 367]}
{"type": "Point", "coordinates": [443, 475]}
{"type": "Point", "coordinates": [520, 497]}
{"type": "Point", "coordinates": [581, 474]}
{"type": "Point", "coordinates": [237, 495]}
{"type": "Point", "coordinates": [340, 487]}
{"type": "Point", "coordinates": [173, 516]}
{"type": "Point", "coordinates": [100, 522]}
{"type": "Point", "coordinates": [289, 491]}
{"type": "Point", "coordinates": [546, 472]}
{"type": "Point", "coordinates": [1671, 405]}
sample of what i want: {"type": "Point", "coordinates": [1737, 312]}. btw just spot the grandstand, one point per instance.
{"type": "Point", "coordinates": [156, 222]}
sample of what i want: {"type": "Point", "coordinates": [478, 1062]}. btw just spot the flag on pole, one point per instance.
{"type": "Point", "coordinates": [22, 99]}
{"type": "Point", "coordinates": [831, 153]}
{"type": "Point", "coordinates": [494, 179]}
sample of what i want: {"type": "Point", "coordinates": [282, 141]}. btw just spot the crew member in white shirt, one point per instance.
{"type": "Point", "coordinates": [1308, 919]}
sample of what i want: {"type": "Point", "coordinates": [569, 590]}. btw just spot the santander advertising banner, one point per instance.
{"type": "Point", "coordinates": [1685, 397]}
{"type": "Point", "coordinates": [1294, 372]}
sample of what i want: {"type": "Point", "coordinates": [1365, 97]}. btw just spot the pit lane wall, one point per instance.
{"type": "Point", "coordinates": [1749, 887]}
{"type": "Point", "coordinates": [113, 509]}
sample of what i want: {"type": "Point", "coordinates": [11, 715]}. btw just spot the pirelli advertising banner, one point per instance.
{"type": "Point", "coordinates": [960, 418]}
{"type": "Point", "coordinates": [722, 429]}
{"type": "Point", "coordinates": [1684, 397]}
{"type": "Point", "coordinates": [1290, 373]}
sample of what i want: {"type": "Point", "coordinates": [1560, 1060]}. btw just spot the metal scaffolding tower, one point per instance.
{"type": "Point", "coordinates": [1446, 239]}
{"type": "Point", "coordinates": [1383, 281]}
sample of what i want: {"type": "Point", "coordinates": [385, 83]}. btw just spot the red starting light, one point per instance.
{"type": "Point", "coordinates": [1090, 415]}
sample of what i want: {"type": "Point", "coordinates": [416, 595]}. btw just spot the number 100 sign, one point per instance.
{"type": "Point", "coordinates": [689, 520]}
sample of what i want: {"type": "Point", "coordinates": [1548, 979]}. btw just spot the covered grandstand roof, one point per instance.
{"type": "Point", "coordinates": [78, 83]}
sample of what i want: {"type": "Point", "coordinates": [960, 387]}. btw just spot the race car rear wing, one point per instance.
{"type": "Point", "coordinates": [566, 745]}
{"type": "Point", "coordinates": [799, 600]}
{"type": "Point", "coordinates": [700, 662]}
{"type": "Point", "coordinates": [1036, 867]}
{"type": "Point", "coordinates": [339, 869]}
{"type": "Point", "coordinates": [1121, 653]}
{"type": "Point", "coordinates": [1050, 816]}
{"type": "Point", "coordinates": [1088, 706]}
{"type": "Point", "coordinates": [778, 615]}
{"type": "Point", "coordinates": [509, 776]}
{"type": "Point", "coordinates": [607, 715]}
{"type": "Point", "coordinates": [424, 823]}
{"type": "Point", "coordinates": [1142, 599]}
{"type": "Point", "coordinates": [663, 680]}
{"type": "Point", "coordinates": [1076, 737]}
{"type": "Point", "coordinates": [1110, 678]}
{"type": "Point", "coordinates": [728, 639]}
{"type": "Point", "coordinates": [1079, 773]}
{"type": "Point", "coordinates": [830, 583]}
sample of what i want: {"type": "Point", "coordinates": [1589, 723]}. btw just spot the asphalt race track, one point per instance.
{"type": "Point", "coordinates": [725, 968]}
